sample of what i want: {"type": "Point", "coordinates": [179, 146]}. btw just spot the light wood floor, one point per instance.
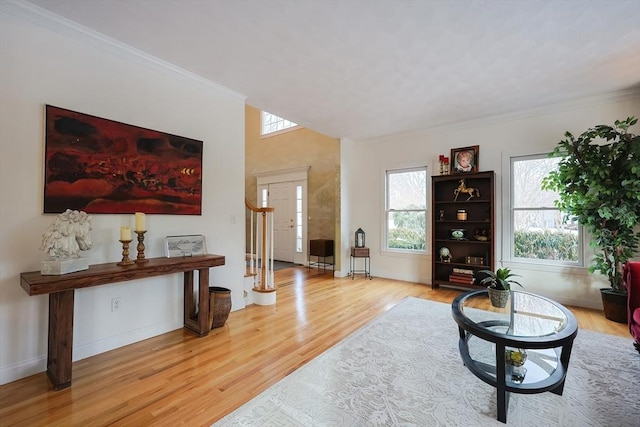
{"type": "Point", "coordinates": [178, 379]}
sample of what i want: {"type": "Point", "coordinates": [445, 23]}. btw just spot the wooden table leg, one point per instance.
{"type": "Point", "coordinates": [197, 321]}
{"type": "Point", "coordinates": [59, 356]}
{"type": "Point", "coordinates": [203, 303]}
{"type": "Point", "coordinates": [189, 300]}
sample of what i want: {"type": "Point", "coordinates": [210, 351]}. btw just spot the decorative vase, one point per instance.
{"type": "Point", "coordinates": [516, 359]}
{"type": "Point", "coordinates": [498, 297]}
{"type": "Point", "coordinates": [219, 306]}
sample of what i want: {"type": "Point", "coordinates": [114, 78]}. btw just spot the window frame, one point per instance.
{"type": "Point", "coordinates": [386, 212]}
{"type": "Point", "coordinates": [288, 128]}
{"type": "Point", "coordinates": [509, 222]}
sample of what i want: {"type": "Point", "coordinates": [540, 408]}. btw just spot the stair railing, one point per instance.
{"type": "Point", "coordinates": [261, 247]}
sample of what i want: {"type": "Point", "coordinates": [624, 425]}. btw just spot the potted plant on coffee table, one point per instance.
{"type": "Point", "coordinates": [499, 285]}
{"type": "Point", "coordinates": [598, 183]}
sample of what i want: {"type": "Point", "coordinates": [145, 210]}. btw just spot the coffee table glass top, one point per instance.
{"type": "Point", "coordinates": [525, 315]}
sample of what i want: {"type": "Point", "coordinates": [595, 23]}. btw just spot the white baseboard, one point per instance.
{"type": "Point", "coordinates": [96, 347]}
{"type": "Point", "coordinates": [37, 365]}
{"type": "Point", "coordinates": [23, 369]}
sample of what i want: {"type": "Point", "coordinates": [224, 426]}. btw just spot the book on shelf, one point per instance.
{"type": "Point", "coordinates": [461, 282]}
{"type": "Point", "coordinates": [461, 278]}
{"type": "Point", "coordinates": [462, 270]}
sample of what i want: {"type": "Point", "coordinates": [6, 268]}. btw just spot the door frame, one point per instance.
{"type": "Point", "coordinates": [299, 176]}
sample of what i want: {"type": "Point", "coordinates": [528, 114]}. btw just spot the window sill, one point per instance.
{"type": "Point", "coordinates": [403, 254]}
{"type": "Point", "coordinates": [549, 268]}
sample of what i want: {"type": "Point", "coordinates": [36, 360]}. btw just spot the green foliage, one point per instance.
{"type": "Point", "coordinates": [598, 180]}
{"type": "Point", "coordinates": [404, 238]}
{"type": "Point", "coordinates": [409, 219]}
{"type": "Point", "coordinates": [409, 232]}
{"type": "Point", "coordinates": [500, 279]}
{"type": "Point", "coordinates": [546, 245]}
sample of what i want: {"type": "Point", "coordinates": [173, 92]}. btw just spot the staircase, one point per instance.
{"type": "Point", "coordinates": [260, 256]}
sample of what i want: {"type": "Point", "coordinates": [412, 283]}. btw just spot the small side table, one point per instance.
{"type": "Point", "coordinates": [321, 248]}
{"type": "Point", "coordinates": [360, 253]}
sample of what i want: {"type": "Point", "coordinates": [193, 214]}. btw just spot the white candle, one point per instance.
{"type": "Point", "coordinates": [125, 233]}
{"type": "Point", "coordinates": [140, 222]}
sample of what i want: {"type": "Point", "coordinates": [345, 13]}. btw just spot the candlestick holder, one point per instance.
{"type": "Point", "coordinates": [140, 247]}
{"type": "Point", "coordinates": [125, 253]}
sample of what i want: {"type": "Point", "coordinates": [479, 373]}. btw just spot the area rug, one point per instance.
{"type": "Point", "coordinates": [403, 369]}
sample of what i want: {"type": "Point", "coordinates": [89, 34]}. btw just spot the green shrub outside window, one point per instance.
{"type": "Point", "coordinates": [546, 245]}
{"type": "Point", "coordinates": [409, 231]}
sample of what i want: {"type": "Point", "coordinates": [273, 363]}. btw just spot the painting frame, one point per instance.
{"type": "Point", "coordinates": [185, 245]}
{"type": "Point", "coordinates": [473, 152]}
{"type": "Point", "coordinates": [102, 166]}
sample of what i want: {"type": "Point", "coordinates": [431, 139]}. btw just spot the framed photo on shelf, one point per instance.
{"type": "Point", "coordinates": [187, 245]}
{"type": "Point", "coordinates": [465, 159]}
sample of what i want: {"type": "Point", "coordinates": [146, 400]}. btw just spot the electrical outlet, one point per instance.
{"type": "Point", "coordinates": [115, 303]}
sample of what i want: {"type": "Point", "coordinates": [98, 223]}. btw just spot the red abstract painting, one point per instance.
{"type": "Point", "coordinates": [101, 166]}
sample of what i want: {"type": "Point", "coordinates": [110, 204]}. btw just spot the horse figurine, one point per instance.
{"type": "Point", "coordinates": [462, 188]}
{"type": "Point", "coordinates": [68, 235]}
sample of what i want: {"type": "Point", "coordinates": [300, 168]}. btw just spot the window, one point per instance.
{"type": "Point", "coordinates": [299, 218]}
{"type": "Point", "coordinates": [538, 229]}
{"type": "Point", "coordinates": [272, 123]}
{"type": "Point", "coordinates": [406, 209]}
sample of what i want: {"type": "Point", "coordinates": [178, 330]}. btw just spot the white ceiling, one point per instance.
{"type": "Point", "coordinates": [361, 69]}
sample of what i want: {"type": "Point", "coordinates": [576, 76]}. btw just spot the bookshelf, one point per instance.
{"type": "Point", "coordinates": [463, 233]}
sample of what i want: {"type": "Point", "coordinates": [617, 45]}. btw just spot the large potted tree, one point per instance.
{"type": "Point", "coordinates": [598, 182]}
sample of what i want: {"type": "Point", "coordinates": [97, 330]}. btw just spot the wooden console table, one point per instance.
{"type": "Point", "coordinates": [61, 291]}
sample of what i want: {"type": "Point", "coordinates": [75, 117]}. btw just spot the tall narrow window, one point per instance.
{"type": "Point", "coordinates": [538, 230]}
{"type": "Point", "coordinates": [272, 124]}
{"type": "Point", "coordinates": [299, 218]}
{"type": "Point", "coordinates": [406, 209]}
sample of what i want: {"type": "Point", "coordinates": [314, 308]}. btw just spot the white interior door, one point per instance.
{"type": "Point", "coordinates": [282, 198]}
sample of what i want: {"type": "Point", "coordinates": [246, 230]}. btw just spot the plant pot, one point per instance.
{"type": "Point", "coordinates": [498, 297]}
{"type": "Point", "coordinates": [615, 305]}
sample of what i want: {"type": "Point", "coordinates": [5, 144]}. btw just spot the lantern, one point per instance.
{"type": "Point", "coordinates": [359, 238]}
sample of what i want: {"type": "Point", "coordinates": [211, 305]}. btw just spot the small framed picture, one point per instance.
{"type": "Point", "coordinates": [188, 245]}
{"type": "Point", "coordinates": [465, 159]}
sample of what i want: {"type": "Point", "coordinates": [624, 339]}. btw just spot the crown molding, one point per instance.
{"type": "Point", "coordinates": [604, 98]}
{"type": "Point", "coordinates": [36, 15]}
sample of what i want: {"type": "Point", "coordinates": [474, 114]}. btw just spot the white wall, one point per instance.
{"type": "Point", "coordinates": [53, 63]}
{"type": "Point", "coordinates": [498, 137]}
{"type": "Point", "coordinates": [346, 228]}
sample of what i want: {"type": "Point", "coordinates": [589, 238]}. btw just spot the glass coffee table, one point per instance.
{"type": "Point", "coordinates": [522, 348]}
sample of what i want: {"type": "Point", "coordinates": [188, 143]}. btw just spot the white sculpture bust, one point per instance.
{"type": "Point", "coordinates": [68, 235]}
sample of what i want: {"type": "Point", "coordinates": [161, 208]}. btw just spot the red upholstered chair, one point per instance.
{"type": "Point", "coordinates": [631, 276]}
